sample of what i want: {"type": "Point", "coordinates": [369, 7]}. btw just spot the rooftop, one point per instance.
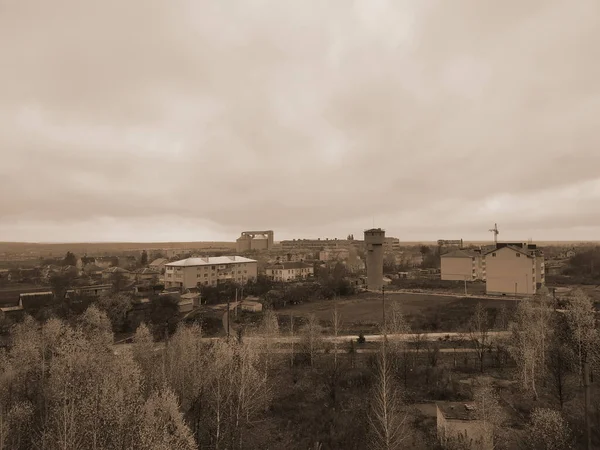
{"type": "Point", "coordinates": [159, 261]}
{"type": "Point", "coordinates": [459, 254]}
{"type": "Point", "coordinates": [209, 260]}
{"type": "Point", "coordinates": [457, 410]}
{"type": "Point", "coordinates": [115, 270]}
{"type": "Point", "coordinates": [290, 265]}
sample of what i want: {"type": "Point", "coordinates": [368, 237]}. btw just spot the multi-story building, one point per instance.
{"type": "Point", "coordinates": [514, 268]}
{"type": "Point", "coordinates": [462, 265]}
{"type": "Point", "coordinates": [209, 271]}
{"type": "Point", "coordinates": [255, 240]}
{"type": "Point", "coordinates": [290, 271]}
{"type": "Point", "coordinates": [336, 254]}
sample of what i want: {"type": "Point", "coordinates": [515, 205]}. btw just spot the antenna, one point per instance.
{"type": "Point", "coordinates": [496, 233]}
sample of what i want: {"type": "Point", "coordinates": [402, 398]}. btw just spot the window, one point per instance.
{"type": "Point", "coordinates": [212, 267]}
{"type": "Point", "coordinates": [493, 255]}
{"type": "Point", "coordinates": [518, 255]}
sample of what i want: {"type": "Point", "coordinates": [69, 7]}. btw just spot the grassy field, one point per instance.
{"type": "Point", "coordinates": [424, 312]}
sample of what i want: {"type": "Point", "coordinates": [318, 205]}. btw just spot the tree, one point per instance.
{"type": "Point", "coordinates": [479, 332]}
{"type": "Point", "coordinates": [69, 260]}
{"type": "Point", "coordinates": [548, 430]}
{"type": "Point", "coordinates": [312, 339]}
{"type": "Point", "coordinates": [524, 346]}
{"type": "Point", "coordinates": [60, 283]}
{"type": "Point", "coordinates": [488, 410]}
{"type": "Point", "coordinates": [144, 259]}
{"type": "Point", "coordinates": [269, 330]}
{"type": "Point", "coordinates": [336, 322]}
{"type": "Point", "coordinates": [116, 306]}
{"type": "Point", "coordinates": [583, 333]}
{"type": "Point", "coordinates": [163, 426]}
{"type": "Point", "coordinates": [387, 420]}
{"type": "Point", "coordinates": [145, 357]}
{"type": "Point", "coordinates": [164, 312]}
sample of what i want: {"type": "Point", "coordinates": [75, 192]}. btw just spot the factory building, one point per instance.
{"type": "Point", "coordinates": [255, 240]}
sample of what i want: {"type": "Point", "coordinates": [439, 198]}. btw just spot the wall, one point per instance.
{"type": "Point", "coordinates": [506, 270]}
{"type": "Point", "coordinates": [457, 268]}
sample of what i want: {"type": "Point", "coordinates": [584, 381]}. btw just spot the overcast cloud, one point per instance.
{"type": "Point", "coordinates": [141, 120]}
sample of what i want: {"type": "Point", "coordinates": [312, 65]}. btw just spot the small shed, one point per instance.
{"type": "Point", "coordinates": [251, 306]}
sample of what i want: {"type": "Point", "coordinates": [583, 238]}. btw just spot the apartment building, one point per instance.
{"type": "Point", "coordinates": [209, 271]}
{"type": "Point", "coordinates": [516, 269]}
{"type": "Point", "coordinates": [463, 265]}
{"type": "Point", "coordinates": [290, 271]}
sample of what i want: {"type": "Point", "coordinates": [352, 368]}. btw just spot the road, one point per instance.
{"type": "Point", "coordinates": [346, 338]}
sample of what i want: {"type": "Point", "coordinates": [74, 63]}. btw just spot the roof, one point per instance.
{"type": "Point", "coordinates": [35, 294]}
{"type": "Point", "coordinates": [210, 260]}
{"type": "Point", "coordinates": [459, 254]}
{"type": "Point", "coordinates": [457, 410]}
{"type": "Point", "coordinates": [146, 271]}
{"type": "Point", "coordinates": [92, 268]}
{"type": "Point", "coordinates": [290, 265]}
{"type": "Point", "coordinates": [115, 270]}
{"type": "Point", "coordinates": [514, 249]}
{"type": "Point", "coordinates": [159, 261]}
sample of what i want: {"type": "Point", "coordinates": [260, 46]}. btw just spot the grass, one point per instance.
{"type": "Point", "coordinates": [424, 312]}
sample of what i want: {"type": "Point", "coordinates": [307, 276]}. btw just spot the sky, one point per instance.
{"type": "Point", "coordinates": [194, 120]}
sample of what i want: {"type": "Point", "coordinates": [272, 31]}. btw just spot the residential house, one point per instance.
{"type": "Point", "coordinates": [92, 270]}
{"type": "Point", "coordinates": [290, 271]}
{"type": "Point", "coordinates": [111, 272]}
{"type": "Point", "coordinates": [516, 269]}
{"type": "Point", "coordinates": [209, 271]}
{"type": "Point", "coordinates": [159, 265]}
{"type": "Point", "coordinates": [145, 274]}
{"type": "Point", "coordinates": [462, 265]}
{"type": "Point", "coordinates": [459, 421]}
{"type": "Point", "coordinates": [105, 262]}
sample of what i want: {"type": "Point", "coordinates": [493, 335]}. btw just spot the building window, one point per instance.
{"type": "Point", "coordinates": [518, 255]}
{"type": "Point", "coordinates": [493, 255]}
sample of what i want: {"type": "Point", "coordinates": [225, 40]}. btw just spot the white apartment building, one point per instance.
{"type": "Point", "coordinates": [209, 271]}
{"type": "Point", "coordinates": [462, 265]}
{"type": "Point", "coordinates": [290, 271]}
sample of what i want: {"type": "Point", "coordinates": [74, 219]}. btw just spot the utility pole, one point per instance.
{"type": "Point", "coordinates": [465, 286]}
{"type": "Point", "coordinates": [586, 384]}
{"type": "Point", "coordinates": [236, 303]}
{"type": "Point", "coordinates": [228, 317]}
{"type": "Point", "coordinates": [383, 311]}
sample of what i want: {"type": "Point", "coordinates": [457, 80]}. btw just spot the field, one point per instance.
{"type": "Point", "coordinates": [424, 312]}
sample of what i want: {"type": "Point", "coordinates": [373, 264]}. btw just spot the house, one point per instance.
{"type": "Point", "coordinates": [290, 271]}
{"type": "Point", "coordinates": [92, 270]}
{"type": "Point", "coordinates": [514, 269]}
{"type": "Point", "coordinates": [95, 291]}
{"type": "Point", "coordinates": [457, 420]}
{"type": "Point", "coordinates": [105, 262]}
{"type": "Point", "coordinates": [187, 302]}
{"type": "Point", "coordinates": [115, 271]}
{"type": "Point", "coordinates": [145, 274]}
{"type": "Point", "coordinates": [251, 306]}
{"type": "Point", "coordinates": [209, 271]}
{"type": "Point", "coordinates": [462, 265]}
{"type": "Point", "coordinates": [158, 265]}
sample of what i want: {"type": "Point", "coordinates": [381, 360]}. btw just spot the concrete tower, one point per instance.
{"type": "Point", "coordinates": [374, 239]}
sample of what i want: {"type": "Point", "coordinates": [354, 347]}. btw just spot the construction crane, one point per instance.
{"type": "Point", "coordinates": [496, 232]}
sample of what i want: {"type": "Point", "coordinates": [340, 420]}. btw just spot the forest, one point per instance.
{"type": "Point", "coordinates": [65, 385]}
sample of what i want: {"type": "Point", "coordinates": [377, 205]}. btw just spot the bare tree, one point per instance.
{"type": "Point", "coordinates": [163, 427]}
{"type": "Point", "coordinates": [479, 333]}
{"type": "Point", "coordinates": [488, 411]}
{"type": "Point", "coordinates": [336, 321]}
{"type": "Point", "coordinates": [388, 421]}
{"type": "Point", "coordinates": [269, 331]}
{"type": "Point", "coordinates": [312, 338]}
{"type": "Point", "coordinates": [548, 430]}
{"type": "Point", "coordinates": [583, 333]}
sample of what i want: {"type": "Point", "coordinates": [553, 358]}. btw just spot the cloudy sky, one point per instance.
{"type": "Point", "coordinates": [142, 120]}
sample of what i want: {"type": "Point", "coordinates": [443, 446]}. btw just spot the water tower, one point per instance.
{"type": "Point", "coordinates": [374, 239]}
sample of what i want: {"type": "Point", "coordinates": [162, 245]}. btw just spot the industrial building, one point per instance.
{"type": "Point", "coordinates": [374, 242]}
{"type": "Point", "coordinates": [209, 271]}
{"type": "Point", "coordinates": [290, 271]}
{"type": "Point", "coordinates": [255, 240]}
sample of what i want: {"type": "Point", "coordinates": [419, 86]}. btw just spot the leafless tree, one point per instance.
{"type": "Point", "coordinates": [584, 335]}
{"type": "Point", "coordinates": [163, 427]}
{"type": "Point", "coordinates": [488, 410]}
{"type": "Point", "coordinates": [269, 331]}
{"type": "Point", "coordinates": [336, 321]}
{"type": "Point", "coordinates": [388, 421]}
{"type": "Point", "coordinates": [548, 430]}
{"type": "Point", "coordinates": [479, 333]}
{"type": "Point", "coordinates": [312, 338]}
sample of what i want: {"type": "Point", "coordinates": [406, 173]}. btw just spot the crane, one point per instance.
{"type": "Point", "coordinates": [496, 232]}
